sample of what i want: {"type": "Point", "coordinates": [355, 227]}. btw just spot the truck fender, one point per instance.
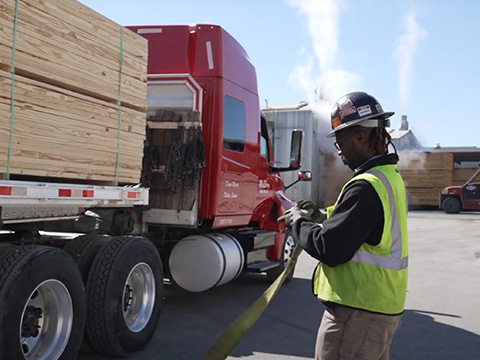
{"type": "Point", "coordinates": [283, 203]}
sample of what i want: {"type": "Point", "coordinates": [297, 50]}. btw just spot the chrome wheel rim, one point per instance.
{"type": "Point", "coordinates": [46, 322]}
{"type": "Point", "coordinates": [288, 249]}
{"type": "Point", "coordinates": [139, 297]}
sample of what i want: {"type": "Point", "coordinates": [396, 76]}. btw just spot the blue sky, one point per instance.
{"type": "Point", "coordinates": [420, 58]}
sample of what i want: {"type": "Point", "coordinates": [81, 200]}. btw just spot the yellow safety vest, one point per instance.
{"type": "Point", "coordinates": [375, 279]}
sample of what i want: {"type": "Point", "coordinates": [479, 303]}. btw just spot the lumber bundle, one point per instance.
{"type": "Point", "coordinates": [461, 176]}
{"type": "Point", "coordinates": [425, 175]}
{"type": "Point", "coordinates": [74, 72]}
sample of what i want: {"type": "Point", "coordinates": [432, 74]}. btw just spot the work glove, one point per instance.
{"type": "Point", "coordinates": [291, 215]}
{"type": "Point", "coordinates": [312, 211]}
{"type": "Point", "coordinates": [302, 208]}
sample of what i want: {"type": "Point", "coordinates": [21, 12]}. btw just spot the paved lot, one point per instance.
{"type": "Point", "coordinates": [441, 321]}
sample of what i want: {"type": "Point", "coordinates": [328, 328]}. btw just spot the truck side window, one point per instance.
{"type": "Point", "coordinates": [233, 124]}
{"type": "Point", "coordinates": [264, 140]}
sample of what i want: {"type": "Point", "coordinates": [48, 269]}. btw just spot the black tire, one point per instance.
{"type": "Point", "coordinates": [107, 286]}
{"type": "Point", "coordinates": [452, 205]}
{"type": "Point", "coordinates": [287, 251]}
{"type": "Point", "coordinates": [83, 250]}
{"type": "Point", "coordinates": [42, 294]}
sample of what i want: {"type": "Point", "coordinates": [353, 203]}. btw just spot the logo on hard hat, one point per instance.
{"type": "Point", "coordinates": [364, 110]}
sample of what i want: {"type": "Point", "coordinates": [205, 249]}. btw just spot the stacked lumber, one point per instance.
{"type": "Point", "coordinates": [461, 176]}
{"type": "Point", "coordinates": [69, 64]}
{"type": "Point", "coordinates": [425, 175]}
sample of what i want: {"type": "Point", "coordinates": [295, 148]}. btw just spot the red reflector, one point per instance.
{"type": "Point", "coordinates": [132, 195]}
{"type": "Point", "coordinates": [64, 192]}
{"type": "Point", "coordinates": [87, 193]}
{"type": "Point", "coordinates": [5, 190]}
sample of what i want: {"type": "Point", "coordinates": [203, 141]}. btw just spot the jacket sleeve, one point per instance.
{"type": "Point", "coordinates": [357, 218]}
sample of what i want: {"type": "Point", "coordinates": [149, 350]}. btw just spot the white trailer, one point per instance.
{"type": "Point", "coordinates": [42, 313]}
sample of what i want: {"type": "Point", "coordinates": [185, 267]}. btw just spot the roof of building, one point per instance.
{"type": "Point", "coordinates": [397, 134]}
{"type": "Point", "coordinates": [460, 153]}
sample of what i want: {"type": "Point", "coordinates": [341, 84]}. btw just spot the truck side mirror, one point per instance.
{"type": "Point", "coordinates": [296, 150]}
{"type": "Point", "coordinates": [295, 153]}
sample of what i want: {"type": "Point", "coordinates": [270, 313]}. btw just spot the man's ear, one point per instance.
{"type": "Point", "coordinates": [361, 136]}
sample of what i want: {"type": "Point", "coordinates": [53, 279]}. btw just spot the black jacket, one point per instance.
{"type": "Point", "coordinates": [357, 218]}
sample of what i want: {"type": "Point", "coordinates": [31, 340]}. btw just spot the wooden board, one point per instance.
{"type": "Point", "coordinates": [426, 178]}
{"type": "Point", "coordinates": [423, 196]}
{"type": "Point", "coordinates": [56, 132]}
{"type": "Point", "coordinates": [72, 68]}
{"type": "Point", "coordinates": [424, 174]}
{"type": "Point", "coordinates": [422, 161]}
{"type": "Point", "coordinates": [64, 43]}
{"type": "Point", "coordinates": [460, 176]}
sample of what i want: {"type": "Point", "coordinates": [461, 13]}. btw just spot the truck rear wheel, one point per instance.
{"type": "Point", "coordinates": [124, 296]}
{"type": "Point", "coordinates": [83, 250]}
{"type": "Point", "coordinates": [451, 205]}
{"type": "Point", "coordinates": [42, 296]}
{"type": "Point", "coordinates": [287, 252]}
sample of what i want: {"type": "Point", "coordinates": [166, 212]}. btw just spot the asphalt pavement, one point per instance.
{"type": "Point", "coordinates": [441, 320]}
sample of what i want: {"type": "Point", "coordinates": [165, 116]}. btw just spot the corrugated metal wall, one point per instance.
{"type": "Point", "coordinates": [284, 122]}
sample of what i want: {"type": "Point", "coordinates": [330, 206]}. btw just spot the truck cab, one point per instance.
{"type": "Point", "coordinates": [204, 123]}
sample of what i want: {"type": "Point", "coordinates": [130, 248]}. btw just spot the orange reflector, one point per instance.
{"type": "Point", "coordinates": [132, 195]}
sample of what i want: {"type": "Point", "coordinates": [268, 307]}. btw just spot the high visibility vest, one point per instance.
{"type": "Point", "coordinates": [375, 279]}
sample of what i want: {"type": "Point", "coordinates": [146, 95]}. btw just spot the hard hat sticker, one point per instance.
{"type": "Point", "coordinates": [364, 110]}
{"type": "Point", "coordinates": [336, 122]}
{"type": "Point", "coordinates": [347, 112]}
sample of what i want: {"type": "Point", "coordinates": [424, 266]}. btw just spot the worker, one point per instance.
{"type": "Point", "coordinates": [362, 244]}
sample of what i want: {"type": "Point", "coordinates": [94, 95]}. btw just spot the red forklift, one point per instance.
{"type": "Point", "coordinates": [454, 199]}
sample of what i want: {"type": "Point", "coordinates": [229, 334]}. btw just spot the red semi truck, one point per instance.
{"type": "Point", "coordinates": [87, 261]}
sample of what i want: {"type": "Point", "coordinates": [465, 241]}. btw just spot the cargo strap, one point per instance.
{"type": "Point", "coordinates": [238, 328]}
{"type": "Point", "coordinates": [119, 104]}
{"type": "Point", "coordinates": [12, 92]}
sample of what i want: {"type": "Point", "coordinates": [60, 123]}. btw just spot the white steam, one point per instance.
{"type": "Point", "coordinates": [319, 77]}
{"type": "Point", "coordinates": [405, 50]}
{"type": "Point", "coordinates": [318, 71]}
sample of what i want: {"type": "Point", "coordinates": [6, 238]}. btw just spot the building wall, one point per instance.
{"type": "Point", "coordinates": [284, 122]}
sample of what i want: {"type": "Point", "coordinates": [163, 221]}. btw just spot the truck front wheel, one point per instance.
{"type": "Point", "coordinates": [287, 252]}
{"type": "Point", "coordinates": [124, 296]}
{"type": "Point", "coordinates": [451, 205]}
{"type": "Point", "coordinates": [42, 312]}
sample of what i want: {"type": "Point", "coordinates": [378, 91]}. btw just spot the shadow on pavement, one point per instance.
{"type": "Point", "coordinates": [191, 323]}
{"type": "Point", "coordinates": [422, 338]}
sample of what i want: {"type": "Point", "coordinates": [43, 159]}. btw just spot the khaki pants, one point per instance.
{"type": "Point", "coordinates": [351, 334]}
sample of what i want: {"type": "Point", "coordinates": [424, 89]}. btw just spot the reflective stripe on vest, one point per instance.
{"type": "Point", "coordinates": [395, 261]}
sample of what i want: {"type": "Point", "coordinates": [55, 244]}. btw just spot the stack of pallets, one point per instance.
{"type": "Point", "coordinates": [73, 104]}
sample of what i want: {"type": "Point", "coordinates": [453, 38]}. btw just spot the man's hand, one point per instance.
{"type": "Point", "coordinates": [312, 210]}
{"type": "Point", "coordinates": [287, 217]}
{"type": "Point", "coordinates": [292, 214]}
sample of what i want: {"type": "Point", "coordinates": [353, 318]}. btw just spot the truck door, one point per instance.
{"type": "Point", "coordinates": [236, 196]}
